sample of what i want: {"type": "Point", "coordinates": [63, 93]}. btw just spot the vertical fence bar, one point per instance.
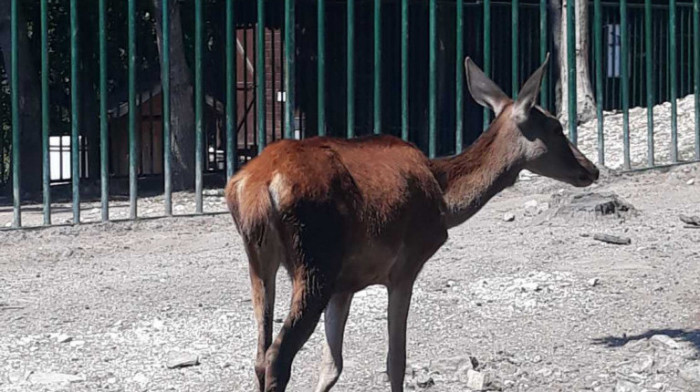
{"type": "Point", "coordinates": [598, 64]}
{"type": "Point", "coordinates": [696, 72]}
{"type": "Point", "coordinates": [571, 67]}
{"type": "Point", "coordinates": [515, 16]}
{"type": "Point", "coordinates": [432, 79]}
{"type": "Point", "coordinates": [487, 53]}
{"type": "Point", "coordinates": [543, 53]}
{"type": "Point", "coordinates": [198, 107]}
{"type": "Point", "coordinates": [459, 79]}
{"type": "Point", "coordinates": [231, 156]}
{"type": "Point", "coordinates": [46, 169]}
{"type": "Point", "coordinates": [260, 91]}
{"type": "Point", "coordinates": [321, 17]}
{"type": "Point", "coordinates": [377, 101]}
{"type": "Point", "coordinates": [104, 137]}
{"type": "Point", "coordinates": [131, 18]}
{"type": "Point", "coordinates": [625, 82]}
{"type": "Point", "coordinates": [648, 48]}
{"type": "Point", "coordinates": [75, 105]}
{"type": "Point", "coordinates": [351, 68]}
{"type": "Point", "coordinates": [673, 78]}
{"type": "Point", "coordinates": [404, 69]}
{"type": "Point", "coordinates": [289, 68]}
{"type": "Point", "coordinates": [14, 88]}
{"type": "Point", "coordinates": [165, 82]}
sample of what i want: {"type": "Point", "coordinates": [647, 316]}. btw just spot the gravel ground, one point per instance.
{"type": "Point", "coordinates": [537, 302]}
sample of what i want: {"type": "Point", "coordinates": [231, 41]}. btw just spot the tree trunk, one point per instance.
{"type": "Point", "coordinates": [555, 18]}
{"type": "Point", "coordinates": [584, 91]}
{"type": "Point", "coordinates": [181, 99]}
{"type": "Point", "coordinates": [29, 100]}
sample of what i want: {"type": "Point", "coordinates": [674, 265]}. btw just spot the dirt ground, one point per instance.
{"type": "Point", "coordinates": [539, 303]}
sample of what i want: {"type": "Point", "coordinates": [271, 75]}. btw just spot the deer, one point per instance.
{"type": "Point", "coordinates": [341, 215]}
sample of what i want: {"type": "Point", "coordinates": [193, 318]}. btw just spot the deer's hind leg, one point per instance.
{"type": "Point", "coordinates": [314, 241]}
{"type": "Point", "coordinates": [263, 267]}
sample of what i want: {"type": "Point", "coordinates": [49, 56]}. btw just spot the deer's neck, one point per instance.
{"type": "Point", "coordinates": [472, 178]}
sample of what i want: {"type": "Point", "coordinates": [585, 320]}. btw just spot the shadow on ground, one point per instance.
{"type": "Point", "coordinates": [687, 335]}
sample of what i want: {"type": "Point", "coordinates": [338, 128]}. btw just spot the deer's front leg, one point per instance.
{"type": "Point", "coordinates": [399, 304]}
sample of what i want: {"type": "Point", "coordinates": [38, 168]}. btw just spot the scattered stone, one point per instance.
{"type": "Point", "coordinates": [158, 324]}
{"type": "Point", "coordinates": [691, 181]}
{"type": "Point", "coordinates": [62, 338]}
{"type": "Point", "coordinates": [54, 378]}
{"type": "Point", "coordinates": [592, 206]}
{"type": "Point", "coordinates": [666, 340]}
{"type": "Point", "coordinates": [140, 378]}
{"type": "Point", "coordinates": [626, 386]}
{"type": "Point", "coordinates": [77, 343]}
{"type": "Point", "coordinates": [530, 204]}
{"type": "Point", "coordinates": [691, 374]}
{"type": "Point", "coordinates": [612, 239]}
{"type": "Point", "coordinates": [476, 380]}
{"type": "Point", "coordinates": [181, 360]}
{"type": "Point", "coordinates": [67, 253]}
{"type": "Point", "coordinates": [644, 364]}
{"type": "Point", "coordinates": [593, 282]}
{"type": "Point", "coordinates": [424, 380]}
{"type": "Point", "coordinates": [690, 220]}
{"type": "Point", "coordinates": [508, 217]}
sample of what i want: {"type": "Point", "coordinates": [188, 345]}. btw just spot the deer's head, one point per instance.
{"type": "Point", "coordinates": [541, 144]}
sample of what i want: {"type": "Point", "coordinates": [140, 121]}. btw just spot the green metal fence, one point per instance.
{"type": "Point", "coordinates": [347, 68]}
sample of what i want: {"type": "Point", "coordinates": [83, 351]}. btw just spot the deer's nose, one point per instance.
{"type": "Point", "coordinates": [595, 173]}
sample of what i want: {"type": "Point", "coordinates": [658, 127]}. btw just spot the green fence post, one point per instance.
{"type": "Point", "coordinates": [459, 79]}
{"type": "Point", "coordinates": [571, 65]}
{"type": "Point", "coordinates": [696, 72]}
{"type": "Point", "coordinates": [598, 65]}
{"type": "Point", "coordinates": [625, 82]}
{"type": "Point", "coordinates": [404, 69]}
{"type": "Point", "coordinates": [514, 47]}
{"type": "Point", "coordinates": [133, 185]}
{"type": "Point", "coordinates": [260, 91]}
{"type": "Point", "coordinates": [673, 64]}
{"type": "Point", "coordinates": [377, 101]}
{"type": "Point", "coordinates": [46, 172]}
{"type": "Point", "coordinates": [14, 89]}
{"type": "Point", "coordinates": [104, 136]}
{"type": "Point", "coordinates": [544, 95]}
{"type": "Point", "coordinates": [432, 79]}
{"type": "Point", "coordinates": [289, 68]}
{"type": "Point", "coordinates": [75, 106]}
{"type": "Point", "coordinates": [648, 48]}
{"type": "Point", "coordinates": [165, 82]}
{"type": "Point", "coordinates": [487, 53]}
{"type": "Point", "coordinates": [199, 107]}
{"type": "Point", "coordinates": [321, 17]}
{"type": "Point", "coordinates": [351, 68]}
{"type": "Point", "coordinates": [231, 139]}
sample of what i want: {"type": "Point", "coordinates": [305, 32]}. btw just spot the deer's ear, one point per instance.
{"type": "Point", "coordinates": [527, 98]}
{"type": "Point", "coordinates": [484, 90]}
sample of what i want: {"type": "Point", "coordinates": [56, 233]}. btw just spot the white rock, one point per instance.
{"type": "Point", "coordinates": [691, 374]}
{"type": "Point", "coordinates": [626, 386]}
{"type": "Point", "coordinates": [158, 324]}
{"type": "Point", "coordinates": [62, 338]}
{"type": "Point", "coordinates": [666, 340]}
{"type": "Point", "coordinates": [54, 378]}
{"type": "Point", "coordinates": [508, 217]}
{"type": "Point", "coordinates": [140, 378]}
{"type": "Point", "coordinates": [691, 181]}
{"type": "Point", "coordinates": [593, 282]}
{"type": "Point", "coordinates": [179, 360]}
{"type": "Point", "coordinates": [530, 204]}
{"type": "Point", "coordinates": [476, 380]}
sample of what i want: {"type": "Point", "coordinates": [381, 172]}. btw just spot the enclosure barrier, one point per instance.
{"type": "Point", "coordinates": [644, 78]}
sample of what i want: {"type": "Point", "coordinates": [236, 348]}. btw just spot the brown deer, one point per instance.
{"type": "Point", "coordinates": [341, 215]}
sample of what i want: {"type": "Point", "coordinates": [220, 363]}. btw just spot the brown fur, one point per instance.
{"type": "Point", "coordinates": [341, 215]}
